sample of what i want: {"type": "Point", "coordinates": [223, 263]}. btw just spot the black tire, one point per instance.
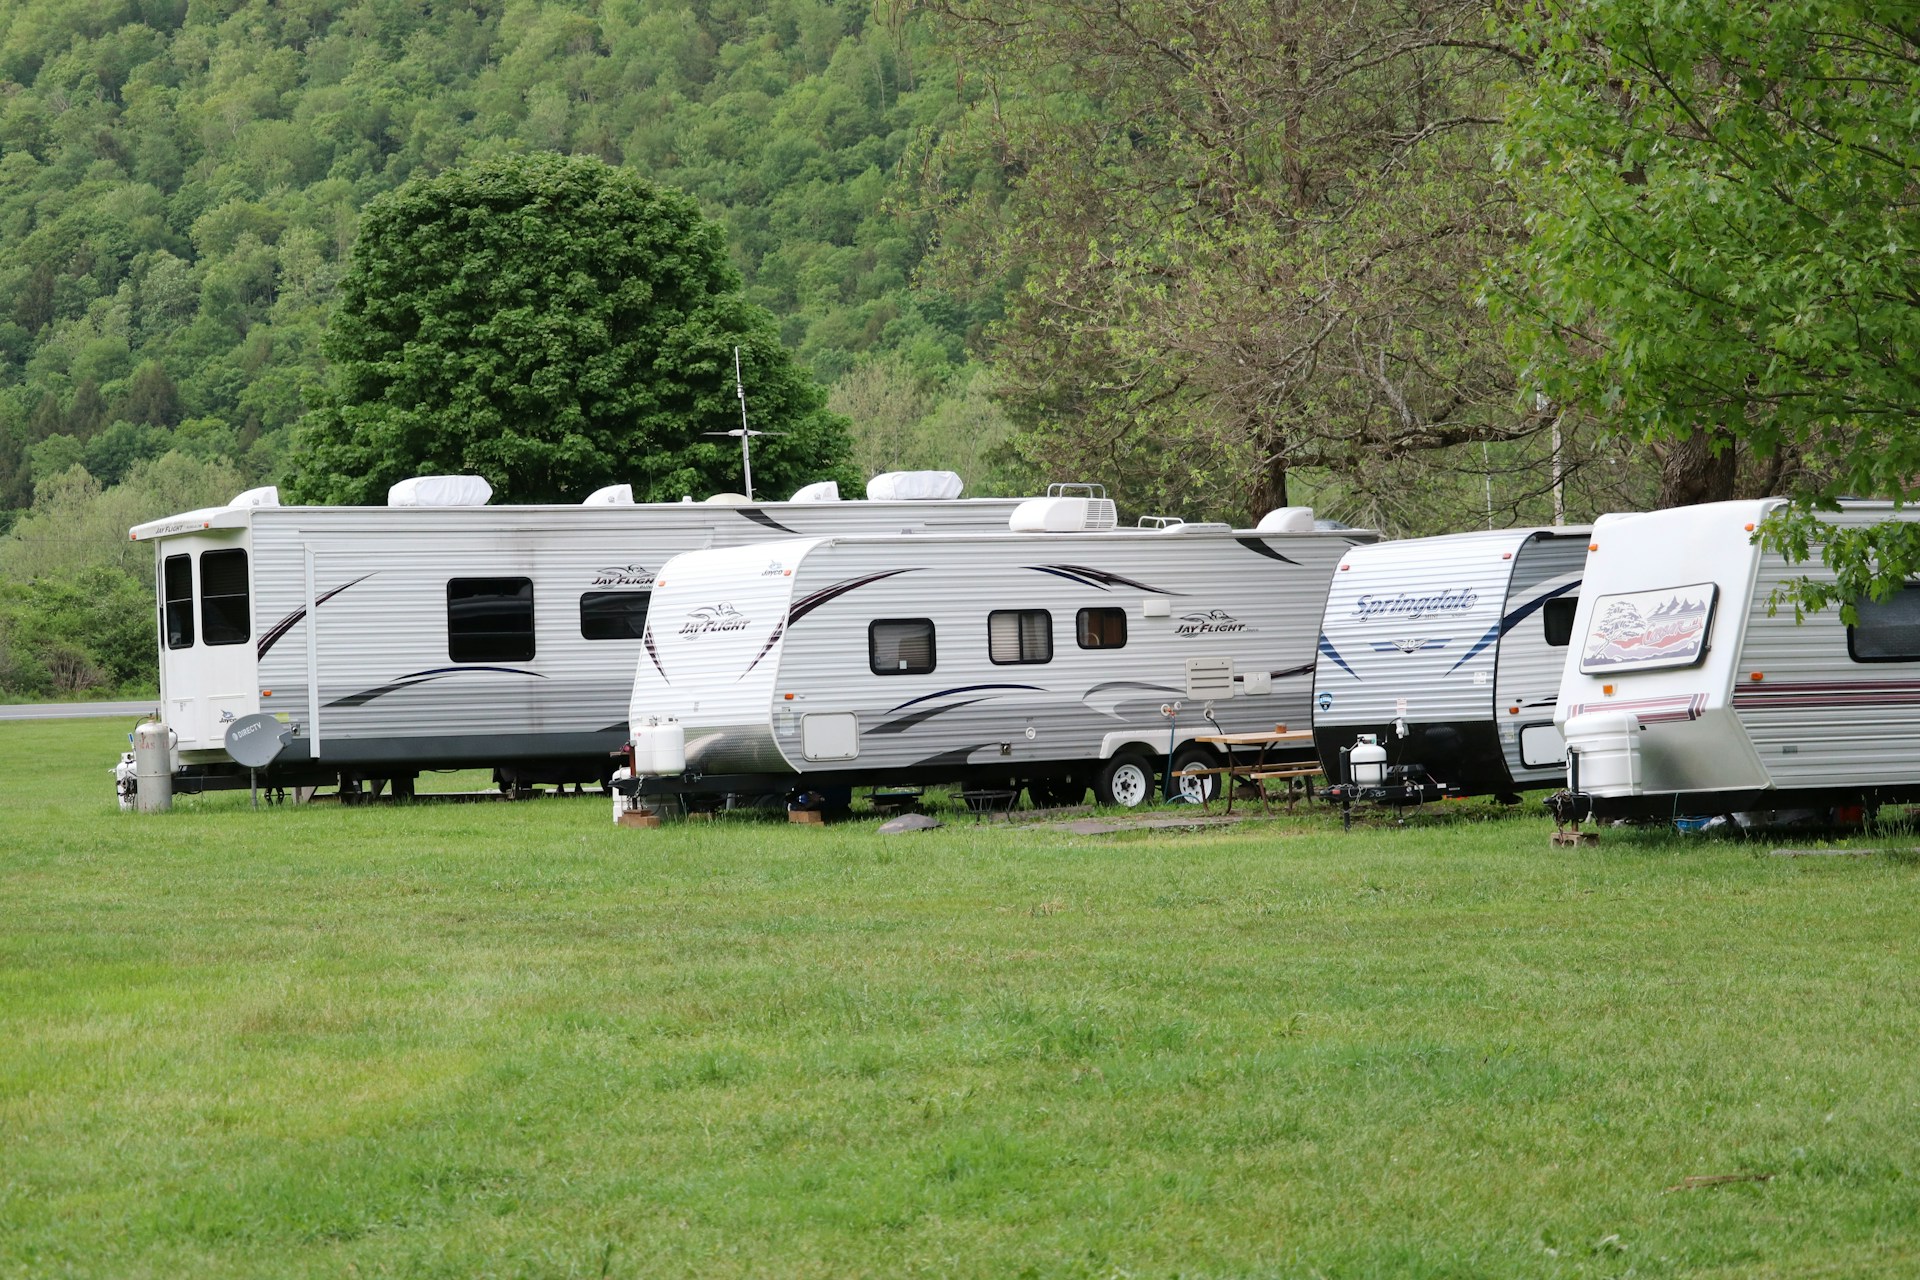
{"type": "Point", "coordinates": [1126, 781]}
{"type": "Point", "coordinates": [1196, 790]}
{"type": "Point", "coordinates": [1056, 793]}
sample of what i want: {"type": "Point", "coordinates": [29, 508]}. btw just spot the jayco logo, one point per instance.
{"type": "Point", "coordinates": [624, 575]}
{"type": "Point", "coordinates": [774, 569]}
{"type": "Point", "coordinates": [1413, 607]}
{"type": "Point", "coordinates": [714, 617]}
{"type": "Point", "coordinates": [1211, 623]}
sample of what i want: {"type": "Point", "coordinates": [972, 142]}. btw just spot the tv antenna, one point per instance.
{"type": "Point", "coordinates": [743, 431]}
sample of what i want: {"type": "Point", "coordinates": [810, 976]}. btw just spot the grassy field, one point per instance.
{"type": "Point", "coordinates": [510, 1040]}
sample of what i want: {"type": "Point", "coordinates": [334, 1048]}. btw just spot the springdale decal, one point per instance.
{"type": "Point", "coordinates": [1412, 607]}
{"type": "Point", "coordinates": [1209, 622]}
{"type": "Point", "coordinates": [623, 575]}
{"type": "Point", "coordinates": [709, 618]}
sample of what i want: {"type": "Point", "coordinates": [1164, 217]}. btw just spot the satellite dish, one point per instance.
{"type": "Point", "coordinates": [256, 741]}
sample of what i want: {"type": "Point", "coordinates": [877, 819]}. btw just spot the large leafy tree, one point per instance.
{"type": "Point", "coordinates": [553, 324]}
{"type": "Point", "coordinates": [1725, 246]}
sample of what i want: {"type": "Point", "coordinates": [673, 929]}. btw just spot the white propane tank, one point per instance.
{"type": "Point", "coordinates": [153, 766]}
{"type": "Point", "coordinates": [659, 746]}
{"type": "Point", "coordinates": [124, 775]}
{"type": "Point", "coordinates": [1367, 762]}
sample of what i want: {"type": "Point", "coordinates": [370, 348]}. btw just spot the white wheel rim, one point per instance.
{"type": "Point", "coordinates": [1195, 788]}
{"type": "Point", "coordinates": [1129, 785]}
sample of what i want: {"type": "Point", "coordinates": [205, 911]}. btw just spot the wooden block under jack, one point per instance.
{"type": "Point", "coordinates": [813, 816]}
{"type": "Point", "coordinates": [1575, 838]}
{"type": "Point", "coordinates": [639, 818]}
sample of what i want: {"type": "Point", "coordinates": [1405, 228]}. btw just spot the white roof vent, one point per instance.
{"type": "Point", "coordinates": [914, 486]}
{"type": "Point", "coordinates": [614, 495]}
{"type": "Point", "coordinates": [265, 496]}
{"type": "Point", "coordinates": [728, 499]}
{"type": "Point", "coordinates": [824, 491]}
{"type": "Point", "coordinates": [1062, 515]}
{"type": "Point", "coordinates": [1287, 520]}
{"type": "Point", "coordinates": [440, 491]}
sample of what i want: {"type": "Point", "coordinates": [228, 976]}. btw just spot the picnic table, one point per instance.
{"type": "Point", "coordinates": [1259, 773]}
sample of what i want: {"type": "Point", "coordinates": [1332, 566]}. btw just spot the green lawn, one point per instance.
{"type": "Point", "coordinates": [510, 1040]}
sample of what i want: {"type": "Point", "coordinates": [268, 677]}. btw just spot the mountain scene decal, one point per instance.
{"type": "Point", "coordinates": [1664, 628]}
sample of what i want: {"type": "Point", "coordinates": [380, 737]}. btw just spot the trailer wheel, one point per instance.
{"type": "Point", "coordinates": [1200, 788]}
{"type": "Point", "coordinates": [1126, 780]}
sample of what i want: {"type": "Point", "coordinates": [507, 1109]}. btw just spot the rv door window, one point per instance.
{"type": "Point", "coordinates": [900, 646]}
{"type": "Point", "coordinates": [1019, 636]}
{"type": "Point", "coordinates": [1102, 628]}
{"type": "Point", "coordinates": [224, 617]}
{"type": "Point", "coordinates": [1557, 615]}
{"type": "Point", "coordinates": [1888, 630]}
{"type": "Point", "coordinates": [177, 601]}
{"type": "Point", "coordinates": [614, 615]}
{"type": "Point", "coordinates": [490, 619]}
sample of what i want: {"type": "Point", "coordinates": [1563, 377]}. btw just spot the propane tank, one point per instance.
{"type": "Point", "coordinates": [153, 766]}
{"type": "Point", "coordinates": [1367, 762]}
{"type": "Point", "coordinates": [659, 746]}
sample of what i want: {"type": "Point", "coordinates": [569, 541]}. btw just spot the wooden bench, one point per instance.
{"type": "Point", "coordinates": [1258, 777]}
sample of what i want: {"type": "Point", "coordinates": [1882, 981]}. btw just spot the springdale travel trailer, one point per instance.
{"type": "Point", "coordinates": [1686, 695]}
{"type": "Point", "coordinates": [1041, 659]}
{"type": "Point", "coordinates": [1440, 660]}
{"type": "Point", "coordinates": [441, 632]}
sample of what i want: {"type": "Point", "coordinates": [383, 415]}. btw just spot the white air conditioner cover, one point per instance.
{"type": "Point", "coordinates": [440, 491]}
{"type": "Point", "coordinates": [1062, 515]}
{"type": "Point", "coordinates": [914, 486]}
{"type": "Point", "coordinates": [265, 496]}
{"type": "Point", "coordinates": [1287, 520]}
{"type": "Point", "coordinates": [728, 499]}
{"type": "Point", "coordinates": [823, 491]}
{"type": "Point", "coordinates": [614, 495]}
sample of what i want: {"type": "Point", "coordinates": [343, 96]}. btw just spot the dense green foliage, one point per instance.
{"type": "Point", "coordinates": [1724, 241]}
{"type": "Point", "coordinates": [553, 324]}
{"type": "Point", "coordinates": [512, 1040]}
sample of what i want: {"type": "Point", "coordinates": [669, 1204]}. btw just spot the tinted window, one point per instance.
{"type": "Point", "coordinates": [900, 646]}
{"type": "Point", "coordinates": [177, 602]}
{"type": "Point", "coordinates": [614, 615]}
{"type": "Point", "coordinates": [1557, 614]}
{"type": "Point", "coordinates": [1019, 635]}
{"type": "Point", "coordinates": [490, 619]}
{"type": "Point", "coordinates": [223, 597]}
{"type": "Point", "coordinates": [1102, 628]}
{"type": "Point", "coordinates": [1888, 630]}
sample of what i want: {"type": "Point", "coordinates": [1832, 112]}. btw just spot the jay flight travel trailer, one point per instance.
{"type": "Point", "coordinates": [439, 632]}
{"type": "Point", "coordinates": [1685, 694]}
{"type": "Point", "coordinates": [1037, 659]}
{"type": "Point", "coordinates": [1440, 660]}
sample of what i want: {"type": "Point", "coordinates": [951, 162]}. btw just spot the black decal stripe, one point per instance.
{"type": "Point", "coordinates": [779, 629]}
{"type": "Point", "coordinates": [365, 696]}
{"type": "Point", "coordinates": [1260, 548]}
{"type": "Point", "coordinates": [1305, 668]}
{"type": "Point", "coordinates": [1101, 575]}
{"type": "Point", "coordinates": [951, 759]}
{"type": "Point", "coordinates": [1070, 577]}
{"type": "Point", "coordinates": [1130, 684]}
{"type": "Point", "coordinates": [292, 620]}
{"type": "Point", "coordinates": [1514, 619]}
{"type": "Point", "coordinates": [826, 595]}
{"type": "Point", "coordinates": [760, 517]}
{"type": "Point", "coordinates": [965, 688]}
{"type": "Point", "coordinates": [912, 718]}
{"type": "Point", "coordinates": [646, 638]}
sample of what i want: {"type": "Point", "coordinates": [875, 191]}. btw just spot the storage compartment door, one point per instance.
{"type": "Point", "coordinates": [1541, 746]}
{"type": "Point", "coordinates": [830, 737]}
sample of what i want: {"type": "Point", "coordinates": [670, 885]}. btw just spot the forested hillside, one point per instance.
{"type": "Point", "coordinates": [180, 183]}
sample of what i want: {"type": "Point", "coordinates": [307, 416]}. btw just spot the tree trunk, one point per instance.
{"type": "Point", "coordinates": [1692, 472]}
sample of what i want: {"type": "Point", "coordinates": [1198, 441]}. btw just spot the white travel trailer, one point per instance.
{"type": "Point", "coordinates": [1446, 653]}
{"type": "Point", "coordinates": [1041, 659]}
{"type": "Point", "coordinates": [423, 635]}
{"type": "Point", "coordinates": [1685, 693]}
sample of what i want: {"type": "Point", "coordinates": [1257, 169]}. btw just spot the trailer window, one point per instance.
{"type": "Point", "coordinates": [1019, 636]}
{"type": "Point", "coordinates": [1888, 630]}
{"type": "Point", "coordinates": [177, 601]}
{"type": "Point", "coordinates": [614, 615]}
{"type": "Point", "coordinates": [1557, 615]}
{"type": "Point", "coordinates": [490, 619]}
{"type": "Point", "coordinates": [900, 646]}
{"type": "Point", "coordinates": [224, 618]}
{"type": "Point", "coordinates": [1102, 628]}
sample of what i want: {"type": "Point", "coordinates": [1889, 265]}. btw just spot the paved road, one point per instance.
{"type": "Point", "coordinates": [75, 710]}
